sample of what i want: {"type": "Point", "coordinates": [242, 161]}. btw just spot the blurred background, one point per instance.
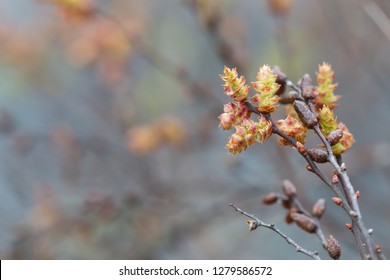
{"type": "Point", "coordinates": [109, 138]}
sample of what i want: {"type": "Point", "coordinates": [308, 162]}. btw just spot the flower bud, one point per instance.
{"type": "Point", "coordinates": [226, 121]}
{"type": "Point", "coordinates": [307, 87]}
{"type": "Point", "coordinates": [333, 248]}
{"type": "Point", "coordinates": [289, 189]}
{"type": "Point", "coordinates": [319, 208]}
{"type": "Point", "coordinates": [349, 226]}
{"type": "Point", "coordinates": [334, 137]}
{"type": "Point", "coordinates": [307, 117]}
{"type": "Point", "coordinates": [288, 219]}
{"type": "Point", "coordinates": [308, 168]}
{"type": "Point", "coordinates": [318, 155]}
{"type": "Point", "coordinates": [281, 78]}
{"type": "Point", "coordinates": [288, 97]}
{"type": "Point", "coordinates": [301, 148]}
{"type": "Point", "coordinates": [304, 222]}
{"type": "Point", "coordinates": [337, 200]}
{"type": "Point", "coordinates": [270, 198]}
{"type": "Point", "coordinates": [286, 203]}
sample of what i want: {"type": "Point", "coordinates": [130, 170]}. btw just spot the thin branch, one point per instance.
{"type": "Point", "coordinates": [378, 17]}
{"type": "Point", "coordinates": [260, 223]}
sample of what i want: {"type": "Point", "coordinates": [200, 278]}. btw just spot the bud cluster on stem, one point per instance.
{"type": "Point", "coordinates": [309, 107]}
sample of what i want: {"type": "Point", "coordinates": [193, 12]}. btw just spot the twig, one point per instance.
{"type": "Point", "coordinates": [260, 223]}
{"type": "Point", "coordinates": [378, 17]}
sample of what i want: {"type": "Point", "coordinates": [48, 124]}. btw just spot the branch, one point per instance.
{"type": "Point", "coordinates": [259, 223]}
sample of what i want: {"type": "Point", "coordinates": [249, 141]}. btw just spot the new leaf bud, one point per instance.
{"type": "Point", "coordinates": [270, 198]}
{"type": "Point", "coordinates": [305, 115]}
{"type": "Point", "coordinates": [318, 155]}
{"type": "Point", "coordinates": [288, 97]}
{"type": "Point", "coordinates": [319, 208]}
{"type": "Point", "coordinates": [289, 189]}
{"type": "Point", "coordinates": [337, 200]}
{"type": "Point", "coordinates": [304, 222]}
{"type": "Point", "coordinates": [333, 248]}
{"type": "Point", "coordinates": [307, 87]}
{"type": "Point", "coordinates": [334, 137]}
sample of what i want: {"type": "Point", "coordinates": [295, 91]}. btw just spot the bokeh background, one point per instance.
{"type": "Point", "coordinates": [109, 139]}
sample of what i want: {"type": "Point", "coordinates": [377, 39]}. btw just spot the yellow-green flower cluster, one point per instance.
{"type": "Point", "coordinates": [325, 88]}
{"type": "Point", "coordinates": [267, 87]}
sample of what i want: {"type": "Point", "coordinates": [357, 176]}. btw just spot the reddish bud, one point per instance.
{"type": "Point", "coordinates": [333, 248]}
{"type": "Point", "coordinates": [288, 219]}
{"type": "Point", "coordinates": [286, 203]}
{"type": "Point", "coordinates": [301, 149]}
{"type": "Point", "coordinates": [337, 200]}
{"type": "Point", "coordinates": [307, 117]}
{"type": "Point", "coordinates": [334, 136]}
{"type": "Point", "coordinates": [270, 198]}
{"type": "Point", "coordinates": [318, 155]}
{"type": "Point", "coordinates": [319, 208]}
{"type": "Point", "coordinates": [304, 222]}
{"type": "Point", "coordinates": [357, 193]}
{"type": "Point", "coordinates": [308, 168]}
{"type": "Point", "coordinates": [349, 226]}
{"type": "Point", "coordinates": [335, 179]}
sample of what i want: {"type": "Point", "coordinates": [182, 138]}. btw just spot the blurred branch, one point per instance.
{"type": "Point", "coordinates": [256, 222]}
{"type": "Point", "coordinates": [377, 15]}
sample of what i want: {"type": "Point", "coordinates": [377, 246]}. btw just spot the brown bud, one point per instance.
{"type": "Point", "coordinates": [269, 198]}
{"type": "Point", "coordinates": [318, 155]}
{"type": "Point", "coordinates": [357, 193]}
{"type": "Point", "coordinates": [335, 179]}
{"type": "Point", "coordinates": [333, 248]}
{"type": "Point", "coordinates": [337, 200]}
{"type": "Point", "coordinates": [307, 87]}
{"type": "Point", "coordinates": [288, 219]}
{"type": "Point", "coordinates": [319, 208]}
{"type": "Point", "coordinates": [304, 114]}
{"type": "Point", "coordinates": [289, 188]}
{"type": "Point", "coordinates": [301, 148]}
{"type": "Point", "coordinates": [288, 97]}
{"type": "Point", "coordinates": [286, 203]}
{"type": "Point", "coordinates": [304, 222]}
{"type": "Point", "coordinates": [334, 136]}
{"type": "Point", "coordinates": [378, 249]}
{"type": "Point", "coordinates": [349, 226]}
{"type": "Point", "coordinates": [281, 78]}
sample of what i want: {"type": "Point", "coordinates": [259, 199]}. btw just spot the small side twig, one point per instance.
{"type": "Point", "coordinates": [259, 223]}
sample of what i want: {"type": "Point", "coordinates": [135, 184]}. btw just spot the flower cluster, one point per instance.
{"type": "Point", "coordinates": [237, 114]}
{"type": "Point", "coordinates": [266, 84]}
{"type": "Point", "coordinates": [328, 124]}
{"type": "Point", "coordinates": [308, 107]}
{"type": "Point", "coordinates": [325, 88]}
